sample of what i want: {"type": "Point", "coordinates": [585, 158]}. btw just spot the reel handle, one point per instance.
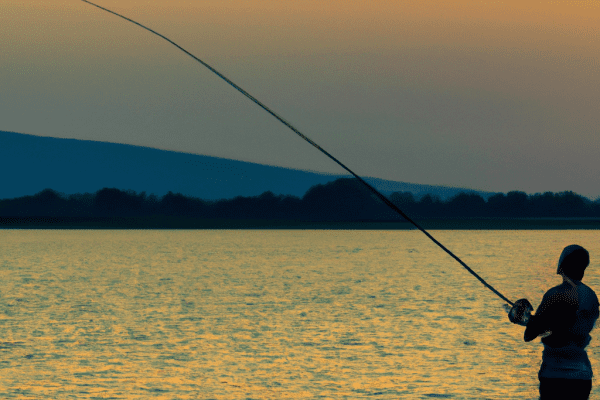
{"type": "Point", "coordinates": [520, 313]}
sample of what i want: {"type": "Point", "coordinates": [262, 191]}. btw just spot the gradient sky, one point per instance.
{"type": "Point", "coordinates": [489, 95]}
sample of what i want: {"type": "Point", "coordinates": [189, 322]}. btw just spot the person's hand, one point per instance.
{"type": "Point", "coordinates": [520, 312]}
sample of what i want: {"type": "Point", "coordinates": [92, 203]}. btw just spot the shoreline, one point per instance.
{"type": "Point", "coordinates": [198, 223]}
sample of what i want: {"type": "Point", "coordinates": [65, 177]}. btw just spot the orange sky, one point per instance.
{"type": "Point", "coordinates": [501, 94]}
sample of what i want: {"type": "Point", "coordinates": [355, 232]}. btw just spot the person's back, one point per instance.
{"type": "Point", "coordinates": [570, 322]}
{"type": "Point", "coordinates": [564, 318]}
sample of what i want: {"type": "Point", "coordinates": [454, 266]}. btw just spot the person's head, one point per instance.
{"type": "Point", "coordinates": [573, 261]}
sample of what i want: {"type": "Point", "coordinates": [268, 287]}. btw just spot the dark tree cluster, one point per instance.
{"type": "Point", "coordinates": [340, 200]}
{"type": "Point", "coordinates": [511, 205]}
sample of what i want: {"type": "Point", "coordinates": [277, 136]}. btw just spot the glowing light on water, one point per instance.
{"type": "Point", "coordinates": [272, 314]}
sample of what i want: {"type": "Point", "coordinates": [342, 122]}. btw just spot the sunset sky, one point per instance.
{"type": "Point", "coordinates": [489, 95]}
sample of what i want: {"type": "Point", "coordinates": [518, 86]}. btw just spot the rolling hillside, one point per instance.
{"type": "Point", "coordinates": [33, 163]}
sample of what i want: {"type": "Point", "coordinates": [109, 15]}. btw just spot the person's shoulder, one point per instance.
{"type": "Point", "coordinates": [587, 287]}
{"type": "Point", "coordinates": [556, 290]}
{"type": "Point", "coordinates": [589, 291]}
{"type": "Point", "coordinates": [557, 295]}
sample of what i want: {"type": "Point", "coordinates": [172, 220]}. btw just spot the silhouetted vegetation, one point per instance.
{"type": "Point", "coordinates": [343, 200]}
{"type": "Point", "coordinates": [511, 205]}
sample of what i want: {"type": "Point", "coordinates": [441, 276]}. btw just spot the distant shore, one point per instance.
{"type": "Point", "coordinates": [198, 223]}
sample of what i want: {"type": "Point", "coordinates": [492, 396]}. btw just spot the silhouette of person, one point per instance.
{"type": "Point", "coordinates": [564, 320]}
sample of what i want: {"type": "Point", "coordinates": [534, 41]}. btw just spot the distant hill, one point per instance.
{"type": "Point", "coordinates": [30, 164]}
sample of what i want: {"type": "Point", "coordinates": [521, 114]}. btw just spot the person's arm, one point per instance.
{"type": "Point", "coordinates": [553, 312]}
{"type": "Point", "coordinates": [537, 323]}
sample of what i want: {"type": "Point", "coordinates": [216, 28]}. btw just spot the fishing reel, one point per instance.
{"type": "Point", "coordinates": [520, 312]}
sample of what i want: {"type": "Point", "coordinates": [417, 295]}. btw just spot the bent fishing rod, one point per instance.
{"type": "Point", "coordinates": [296, 131]}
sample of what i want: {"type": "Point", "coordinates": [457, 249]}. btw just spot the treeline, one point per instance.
{"type": "Point", "coordinates": [340, 200]}
{"type": "Point", "coordinates": [511, 205]}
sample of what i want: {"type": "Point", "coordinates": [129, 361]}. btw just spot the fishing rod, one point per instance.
{"type": "Point", "coordinates": [296, 131]}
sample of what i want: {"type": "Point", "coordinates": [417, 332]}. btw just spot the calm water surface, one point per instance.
{"type": "Point", "coordinates": [273, 314]}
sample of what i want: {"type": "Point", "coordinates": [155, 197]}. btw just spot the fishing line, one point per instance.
{"type": "Point", "coordinates": [283, 121]}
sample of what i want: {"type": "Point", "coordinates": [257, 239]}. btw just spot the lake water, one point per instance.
{"type": "Point", "coordinates": [273, 314]}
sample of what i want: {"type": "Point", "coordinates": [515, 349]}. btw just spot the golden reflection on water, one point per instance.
{"type": "Point", "coordinates": [272, 314]}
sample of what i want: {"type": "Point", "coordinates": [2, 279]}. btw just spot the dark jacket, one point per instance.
{"type": "Point", "coordinates": [570, 314]}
